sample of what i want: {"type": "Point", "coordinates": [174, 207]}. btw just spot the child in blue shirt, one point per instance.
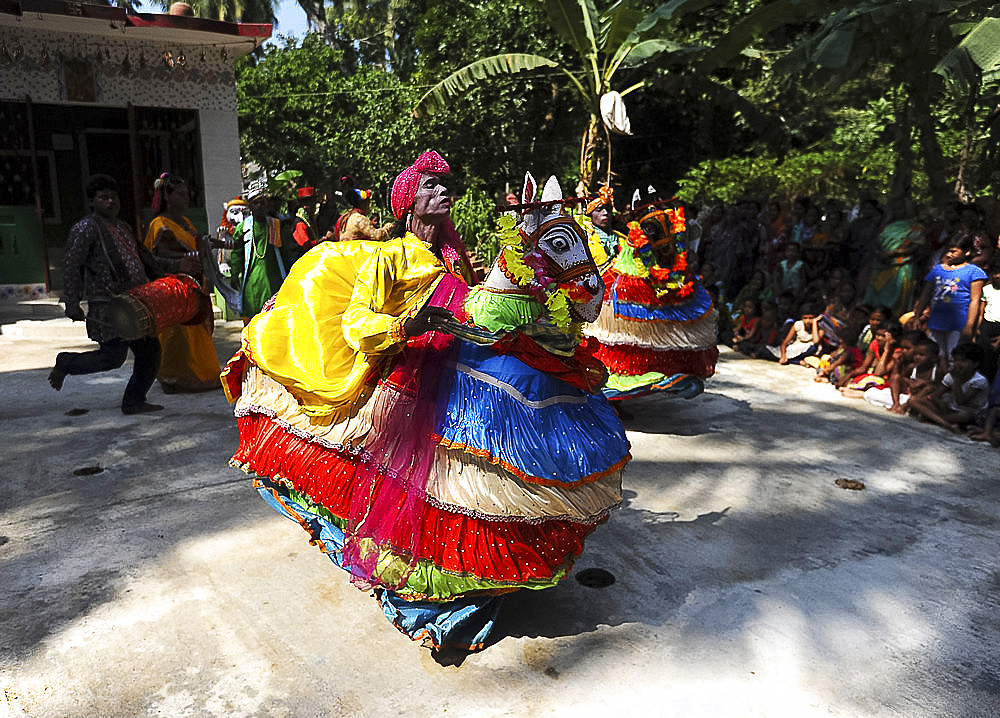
{"type": "Point", "coordinates": [950, 300]}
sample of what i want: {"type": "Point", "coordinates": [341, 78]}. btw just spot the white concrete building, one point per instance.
{"type": "Point", "coordinates": [88, 89]}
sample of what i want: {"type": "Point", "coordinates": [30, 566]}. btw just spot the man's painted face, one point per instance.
{"type": "Point", "coordinates": [600, 217]}
{"type": "Point", "coordinates": [180, 199]}
{"type": "Point", "coordinates": [236, 213]}
{"type": "Point", "coordinates": [431, 203]}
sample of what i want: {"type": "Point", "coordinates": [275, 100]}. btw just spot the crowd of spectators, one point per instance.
{"type": "Point", "coordinates": [896, 304]}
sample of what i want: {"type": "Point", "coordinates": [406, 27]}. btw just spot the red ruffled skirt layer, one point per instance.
{"type": "Point", "coordinates": [509, 551]}
{"type": "Point", "coordinates": [638, 290]}
{"type": "Point", "coordinates": [630, 360]}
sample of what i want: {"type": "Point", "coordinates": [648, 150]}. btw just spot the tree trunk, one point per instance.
{"type": "Point", "coordinates": [315, 11]}
{"type": "Point", "coordinates": [902, 142]}
{"type": "Point", "coordinates": [962, 190]}
{"type": "Point", "coordinates": [588, 156]}
{"type": "Point", "coordinates": [933, 157]}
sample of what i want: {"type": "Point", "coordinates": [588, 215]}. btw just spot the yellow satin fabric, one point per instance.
{"type": "Point", "coordinates": [188, 358]}
{"type": "Point", "coordinates": [184, 235]}
{"type": "Point", "coordinates": [331, 319]}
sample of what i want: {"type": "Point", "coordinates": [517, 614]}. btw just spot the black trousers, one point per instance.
{"type": "Point", "coordinates": [111, 355]}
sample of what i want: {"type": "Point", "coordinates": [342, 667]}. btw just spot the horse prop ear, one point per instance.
{"type": "Point", "coordinates": [528, 192]}
{"type": "Point", "coordinates": [529, 221]}
{"type": "Point", "coordinates": [551, 192]}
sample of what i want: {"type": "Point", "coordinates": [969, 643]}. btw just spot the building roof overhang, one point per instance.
{"type": "Point", "coordinates": [109, 21]}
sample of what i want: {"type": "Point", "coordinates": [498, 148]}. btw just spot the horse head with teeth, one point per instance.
{"type": "Point", "coordinates": [556, 248]}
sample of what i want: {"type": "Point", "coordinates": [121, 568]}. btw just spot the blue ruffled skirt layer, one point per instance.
{"type": "Point", "coordinates": [695, 306]}
{"type": "Point", "coordinates": [530, 423]}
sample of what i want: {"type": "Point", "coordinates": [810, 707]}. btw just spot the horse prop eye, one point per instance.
{"type": "Point", "coordinates": [559, 244]}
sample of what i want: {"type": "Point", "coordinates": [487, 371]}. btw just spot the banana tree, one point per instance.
{"type": "Point", "coordinates": [905, 41]}
{"type": "Point", "coordinates": [972, 71]}
{"type": "Point", "coordinates": [604, 45]}
{"type": "Point", "coordinates": [608, 45]}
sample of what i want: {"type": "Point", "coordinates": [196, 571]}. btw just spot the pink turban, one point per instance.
{"type": "Point", "coordinates": [405, 186]}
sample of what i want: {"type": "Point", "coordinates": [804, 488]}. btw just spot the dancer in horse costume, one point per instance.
{"type": "Point", "coordinates": [443, 445]}
{"type": "Point", "coordinates": [658, 326]}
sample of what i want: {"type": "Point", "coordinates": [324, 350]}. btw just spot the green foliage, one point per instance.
{"type": "Point", "coordinates": [856, 159]}
{"type": "Point", "coordinates": [474, 215]}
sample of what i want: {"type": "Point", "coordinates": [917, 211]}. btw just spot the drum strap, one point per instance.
{"type": "Point", "coordinates": [119, 271]}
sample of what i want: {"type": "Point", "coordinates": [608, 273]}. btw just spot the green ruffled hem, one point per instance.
{"type": "Point", "coordinates": [501, 312]}
{"type": "Point", "coordinates": [627, 264]}
{"type": "Point", "coordinates": [427, 582]}
{"type": "Point", "coordinates": [622, 383]}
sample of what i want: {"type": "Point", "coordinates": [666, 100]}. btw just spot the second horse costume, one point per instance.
{"type": "Point", "coordinates": [658, 326]}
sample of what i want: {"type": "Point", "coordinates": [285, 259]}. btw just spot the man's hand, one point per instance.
{"type": "Point", "coordinates": [426, 320]}
{"type": "Point", "coordinates": [191, 264]}
{"type": "Point", "coordinates": [75, 312]}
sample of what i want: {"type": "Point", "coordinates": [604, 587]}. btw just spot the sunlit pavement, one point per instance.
{"type": "Point", "coordinates": [140, 575]}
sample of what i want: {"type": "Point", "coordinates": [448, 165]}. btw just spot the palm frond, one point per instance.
{"type": "Point", "coordinates": [437, 97]}
{"type": "Point", "coordinates": [976, 55]}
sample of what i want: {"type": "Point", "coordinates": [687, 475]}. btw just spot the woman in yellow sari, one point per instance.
{"type": "Point", "coordinates": [189, 360]}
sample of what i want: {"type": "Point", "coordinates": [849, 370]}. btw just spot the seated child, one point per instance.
{"type": "Point", "coordinates": [746, 333]}
{"type": "Point", "coordinates": [877, 365]}
{"type": "Point", "coordinates": [876, 318]}
{"type": "Point", "coordinates": [843, 360]}
{"type": "Point", "coordinates": [916, 373]}
{"type": "Point", "coordinates": [991, 430]}
{"type": "Point", "coordinates": [755, 290]}
{"type": "Point", "coordinates": [837, 314]}
{"type": "Point", "coordinates": [962, 397]}
{"type": "Point", "coordinates": [768, 333]}
{"type": "Point", "coordinates": [803, 340]}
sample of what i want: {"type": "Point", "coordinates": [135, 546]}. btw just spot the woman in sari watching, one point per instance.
{"type": "Point", "coordinates": [189, 361]}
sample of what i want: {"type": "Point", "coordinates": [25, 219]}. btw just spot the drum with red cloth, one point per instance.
{"type": "Point", "coordinates": [148, 309]}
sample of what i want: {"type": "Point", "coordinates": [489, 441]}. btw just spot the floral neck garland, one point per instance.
{"type": "Point", "coordinates": [529, 271]}
{"type": "Point", "coordinates": [669, 281]}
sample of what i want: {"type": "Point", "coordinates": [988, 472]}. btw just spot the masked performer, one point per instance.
{"type": "Point", "coordinates": [442, 472]}
{"type": "Point", "coordinates": [598, 223]}
{"type": "Point", "coordinates": [657, 328]}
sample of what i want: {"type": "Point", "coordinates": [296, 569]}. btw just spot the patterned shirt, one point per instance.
{"type": "Point", "coordinates": [95, 271]}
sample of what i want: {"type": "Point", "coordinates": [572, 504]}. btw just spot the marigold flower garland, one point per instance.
{"type": "Point", "coordinates": [673, 281]}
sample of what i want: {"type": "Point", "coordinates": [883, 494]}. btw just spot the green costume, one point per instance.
{"type": "Point", "coordinates": [259, 262]}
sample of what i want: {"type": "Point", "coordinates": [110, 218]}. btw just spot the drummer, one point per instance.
{"type": "Point", "coordinates": [103, 259]}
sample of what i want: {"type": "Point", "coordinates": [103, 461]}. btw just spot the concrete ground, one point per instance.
{"type": "Point", "coordinates": [142, 576]}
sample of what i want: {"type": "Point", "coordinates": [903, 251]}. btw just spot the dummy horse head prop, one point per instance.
{"type": "Point", "coordinates": [547, 253]}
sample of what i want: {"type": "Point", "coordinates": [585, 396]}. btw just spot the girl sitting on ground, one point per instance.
{"type": "Point", "coordinates": [991, 431]}
{"type": "Point", "coordinates": [746, 333]}
{"type": "Point", "coordinates": [843, 360]}
{"type": "Point", "coordinates": [916, 374]}
{"type": "Point", "coordinates": [877, 365]}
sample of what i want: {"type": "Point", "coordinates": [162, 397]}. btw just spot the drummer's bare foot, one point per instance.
{"type": "Point", "coordinates": [56, 378]}
{"type": "Point", "coordinates": [143, 408]}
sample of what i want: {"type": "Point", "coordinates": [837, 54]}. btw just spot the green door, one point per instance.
{"type": "Point", "coordinates": [22, 253]}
